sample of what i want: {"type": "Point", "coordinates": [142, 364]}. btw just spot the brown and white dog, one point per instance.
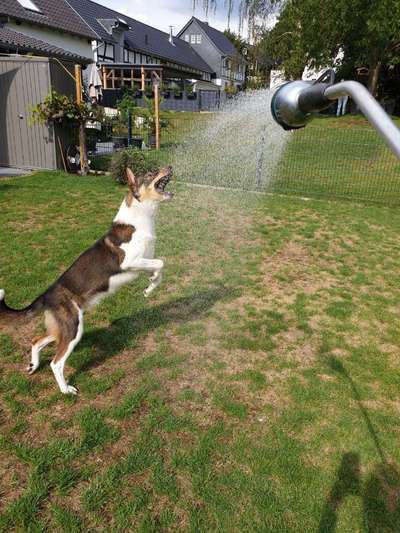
{"type": "Point", "coordinates": [114, 260]}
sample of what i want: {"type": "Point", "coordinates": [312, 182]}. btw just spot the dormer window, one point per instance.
{"type": "Point", "coordinates": [28, 4]}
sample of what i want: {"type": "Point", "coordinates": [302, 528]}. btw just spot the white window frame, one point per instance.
{"type": "Point", "coordinates": [198, 38]}
{"type": "Point", "coordinates": [187, 38]}
{"type": "Point", "coordinates": [193, 39]}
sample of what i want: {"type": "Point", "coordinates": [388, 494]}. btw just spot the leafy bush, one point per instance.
{"type": "Point", "coordinates": [130, 157]}
{"type": "Point", "coordinates": [127, 105]}
{"type": "Point", "coordinates": [101, 163]}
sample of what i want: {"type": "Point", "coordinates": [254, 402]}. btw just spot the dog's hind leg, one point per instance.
{"type": "Point", "coordinates": [37, 346]}
{"type": "Point", "coordinates": [70, 324]}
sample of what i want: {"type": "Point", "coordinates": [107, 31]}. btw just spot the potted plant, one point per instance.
{"type": "Point", "coordinates": [190, 93]}
{"type": "Point", "coordinates": [119, 136]}
{"type": "Point", "coordinates": [178, 93]}
{"type": "Point", "coordinates": [59, 109]}
{"type": "Point", "coordinates": [231, 90]}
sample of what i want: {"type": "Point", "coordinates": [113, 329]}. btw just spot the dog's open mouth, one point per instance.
{"type": "Point", "coordinates": [161, 185]}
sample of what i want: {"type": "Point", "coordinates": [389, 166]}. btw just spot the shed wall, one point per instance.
{"type": "Point", "coordinates": [24, 82]}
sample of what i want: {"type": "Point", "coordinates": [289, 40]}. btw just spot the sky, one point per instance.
{"type": "Point", "coordinates": [162, 14]}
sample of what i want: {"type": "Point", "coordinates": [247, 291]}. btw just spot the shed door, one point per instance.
{"type": "Point", "coordinates": [24, 83]}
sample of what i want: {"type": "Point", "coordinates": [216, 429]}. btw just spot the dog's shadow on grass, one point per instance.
{"type": "Point", "coordinates": [123, 332]}
{"type": "Point", "coordinates": [379, 491]}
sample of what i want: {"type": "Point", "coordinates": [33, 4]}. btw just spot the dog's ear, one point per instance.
{"type": "Point", "coordinates": [132, 180]}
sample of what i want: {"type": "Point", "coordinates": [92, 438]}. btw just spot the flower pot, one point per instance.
{"type": "Point", "coordinates": [191, 96]}
{"type": "Point", "coordinates": [137, 142]}
{"type": "Point", "coordinates": [152, 140]}
{"type": "Point", "coordinates": [119, 142]}
{"type": "Point", "coordinates": [178, 96]}
{"type": "Point", "coordinates": [166, 94]}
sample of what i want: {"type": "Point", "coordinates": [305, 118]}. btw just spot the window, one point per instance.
{"type": "Point", "coordinates": [28, 4]}
{"type": "Point", "coordinates": [198, 39]}
{"type": "Point", "coordinates": [106, 52]}
{"type": "Point", "coordinates": [187, 38]}
{"type": "Point", "coordinates": [126, 55]}
{"type": "Point", "coordinates": [193, 39]}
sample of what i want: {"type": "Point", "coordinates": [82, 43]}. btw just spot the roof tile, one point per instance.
{"type": "Point", "coordinates": [11, 38]}
{"type": "Point", "coordinates": [156, 43]}
{"type": "Point", "coordinates": [56, 14]}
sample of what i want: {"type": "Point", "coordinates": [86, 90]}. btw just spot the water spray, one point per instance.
{"type": "Point", "coordinates": [295, 103]}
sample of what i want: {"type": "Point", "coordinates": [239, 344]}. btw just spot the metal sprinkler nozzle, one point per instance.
{"type": "Point", "coordinates": [295, 103]}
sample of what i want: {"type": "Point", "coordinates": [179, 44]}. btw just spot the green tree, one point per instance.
{"type": "Point", "coordinates": [370, 35]}
{"type": "Point", "coordinates": [238, 41]}
{"type": "Point", "coordinates": [250, 10]}
{"type": "Point", "coordinates": [312, 33]}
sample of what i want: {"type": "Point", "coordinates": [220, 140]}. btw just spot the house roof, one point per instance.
{"type": "Point", "coordinates": [221, 41]}
{"type": "Point", "coordinates": [24, 43]}
{"type": "Point", "coordinates": [56, 14]}
{"type": "Point", "coordinates": [141, 37]}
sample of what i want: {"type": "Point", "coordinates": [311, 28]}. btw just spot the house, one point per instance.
{"type": "Point", "coordinates": [41, 41]}
{"type": "Point", "coordinates": [129, 52]}
{"type": "Point", "coordinates": [45, 28]}
{"type": "Point", "coordinates": [227, 64]}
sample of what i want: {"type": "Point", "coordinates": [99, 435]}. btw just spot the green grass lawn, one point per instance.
{"type": "Point", "coordinates": [256, 390]}
{"type": "Point", "coordinates": [339, 158]}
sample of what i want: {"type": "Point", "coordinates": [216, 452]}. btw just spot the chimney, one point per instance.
{"type": "Point", "coordinates": [118, 30]}
{"type": "Point", "coordinates": [171, 35]}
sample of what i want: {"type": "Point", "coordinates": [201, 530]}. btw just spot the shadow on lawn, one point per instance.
{"type": "Point", "coordinates": [380, 491]}
{"type": "Point", "coordinates": [107, 342]}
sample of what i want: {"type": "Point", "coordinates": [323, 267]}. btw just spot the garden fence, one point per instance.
{"type": "Point", "coordinates": [342, 159]}
{"type": "Point", "coordinates": [330, 158]}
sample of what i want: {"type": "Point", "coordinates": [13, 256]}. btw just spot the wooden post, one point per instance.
{"type": "Point", "coordinates": [82, 134]}
{"type": "Point", "coordinates": [103, 69]}
{"type": "Point", "coordinates": [78, 84]}
{"type": "Point", "coordinates": [143, 77]}
{"type": "Point", "coordinates": [157, 113]}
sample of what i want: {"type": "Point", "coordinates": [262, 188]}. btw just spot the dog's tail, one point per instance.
{"type": "Point", "coordinates": [8, 313]}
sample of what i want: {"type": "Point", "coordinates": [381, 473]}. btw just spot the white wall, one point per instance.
{"type": "Point", "coordinates": [71, 43]}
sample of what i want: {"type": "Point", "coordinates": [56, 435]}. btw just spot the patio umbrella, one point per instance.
{"type": "Point", "coordinates": [95, 85]}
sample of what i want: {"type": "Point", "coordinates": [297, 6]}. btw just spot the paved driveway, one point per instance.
{"type": "Point", "coordinates": [6, 172]}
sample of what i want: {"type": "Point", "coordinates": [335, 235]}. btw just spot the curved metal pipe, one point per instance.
{"type": "Point", "coordinates": [370, 108]}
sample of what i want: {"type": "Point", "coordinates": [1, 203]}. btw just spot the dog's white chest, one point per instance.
{"type": "Point", "coordinates": [141, 246]}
